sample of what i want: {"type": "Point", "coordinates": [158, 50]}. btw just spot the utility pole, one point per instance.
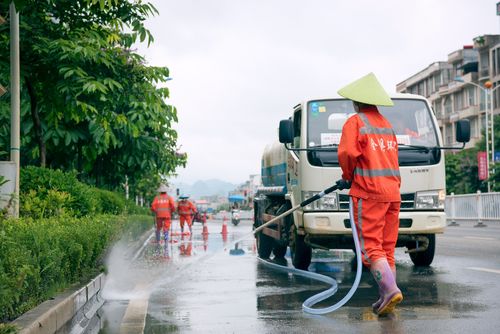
{"type": "Point", "coordinates": [15, 101]}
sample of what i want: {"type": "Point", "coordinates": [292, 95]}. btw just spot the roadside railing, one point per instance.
{"type": "Point", "coordinates": [244, 215]}
{"type": "Point", "coordinates": [479, 207]}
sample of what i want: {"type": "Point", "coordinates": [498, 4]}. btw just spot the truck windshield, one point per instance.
{"type": "Point", "coordinates": [410, 118]}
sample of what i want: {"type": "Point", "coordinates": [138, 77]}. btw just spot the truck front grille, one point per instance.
{"type": "Point", "coordinates": [407, 202]}
{"type": "Point", "coordinates": [403, 222]}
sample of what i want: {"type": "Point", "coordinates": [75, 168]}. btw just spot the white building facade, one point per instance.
{"type": "Point", "coordinates": [447, 86]}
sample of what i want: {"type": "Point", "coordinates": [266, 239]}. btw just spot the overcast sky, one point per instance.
{"type": "Point", "coordinates": [238, 67]}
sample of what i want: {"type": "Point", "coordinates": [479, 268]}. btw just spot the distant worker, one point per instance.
{"type": "Point", "coordinates": [163, 207]}
{"type": "Point", "coordinates": [368, 156]}
{"type": "Point", "coordinates": [186, 210]}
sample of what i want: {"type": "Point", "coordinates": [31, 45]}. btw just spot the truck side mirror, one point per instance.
{"type": "Point", "coordinates": [463, 131]}
{"type": "Point", "coordinates": [286, 131]}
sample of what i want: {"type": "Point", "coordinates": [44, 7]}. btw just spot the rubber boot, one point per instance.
{"type": "Point", "coordinates": [389, 291]}
{"type": "Point", "coordinates": [377, 304]}
{"type": "Point", "coordinates": [158, 233]}
{"type": "Point", "coordinates": [165, 236]}
{"type": "Point", "coordinates": [190, 230]}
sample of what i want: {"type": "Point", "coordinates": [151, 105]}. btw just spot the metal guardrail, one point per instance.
{"type": "Point", "coordinates": [477, 207]}
{"type": "Point", "coordinates": [244, 215]}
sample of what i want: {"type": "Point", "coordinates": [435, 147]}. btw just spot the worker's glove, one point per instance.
{"type": "Point", "coordinates": [343, 184]}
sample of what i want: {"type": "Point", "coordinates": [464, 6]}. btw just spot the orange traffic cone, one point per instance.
{"type": "Point", "coordinates": [205, 229]}
{"type": "Point", "coordinates": [224, 228]}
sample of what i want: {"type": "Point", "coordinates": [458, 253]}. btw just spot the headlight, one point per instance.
{"type": "Point", "coordinates": [326, 203]}
{"type": "Point", "coordinates": [433, 199]}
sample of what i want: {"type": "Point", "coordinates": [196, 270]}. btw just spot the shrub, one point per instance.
{"type": "Point", "coordinates": [81, 201]}
{"type": "Point", "coordinates": [110, 202]}
{"type": "Point", "coordinates": [40, 257]}
{"type": "Point", "coordinates": [45, 204]}
{"type": "Point", "coordinates": [47, 193]}
{"type": "Point", "coordinates": [134, 209]}
{"type": "Point", "coordinates": [8, 329]}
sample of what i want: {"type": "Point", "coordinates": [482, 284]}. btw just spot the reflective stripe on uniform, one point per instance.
{"type": "Point", "coordinates": [376, 131]}
{"type": "Point", "coordinates": [377, 172]}
{"type": "Point", "coordinates": [360, 225]}
{"type": "Point", "coordinates": [365, 120]}
{"type": "Point", "coordinates": [369, 129]}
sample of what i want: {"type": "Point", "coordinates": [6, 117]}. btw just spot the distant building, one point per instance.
{"type": "Point", "coordinates": [214, 201]}
{"type": "Point", "coordinates": [248, 189]}
{"type": "Point", "coordinates": [452, 100]}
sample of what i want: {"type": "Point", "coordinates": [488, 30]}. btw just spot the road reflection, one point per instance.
{"type": "Point", "coordinates": [426, 294]}
{"type": "Point", "coordinates": [206, 283]}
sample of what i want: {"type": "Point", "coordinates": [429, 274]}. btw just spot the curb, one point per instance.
{"type": "Point", "coordinates": [52, 315]}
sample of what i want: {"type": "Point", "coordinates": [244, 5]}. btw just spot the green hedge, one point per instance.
{"type": "Point", "coordinates": [64, 231]}
{"type": "Point", "coordinates": [48, 193]}
{"type": "Point", "coordinates": [45, 192]}
{"type": "Point", "coordinates": [40, 257]}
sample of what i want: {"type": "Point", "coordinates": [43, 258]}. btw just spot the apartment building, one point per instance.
{"type": "Point", "coordinates": [452, 86]}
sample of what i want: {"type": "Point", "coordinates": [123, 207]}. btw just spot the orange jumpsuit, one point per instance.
{"type": "Point", "coordinates": [368, 156]}
{"type": "Point", "coordinates": [163, 206]}
{"type": "Point", "coordinates": [186, 209]}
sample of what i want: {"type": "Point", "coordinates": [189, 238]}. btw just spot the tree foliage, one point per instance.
{"type": "Point", "coordinates": [89, 102]}
{"type": "Point", "coordinates": [462, 168]}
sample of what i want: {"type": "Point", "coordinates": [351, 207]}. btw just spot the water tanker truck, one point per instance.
{"type": "Point", "coordinates": [305, 162]}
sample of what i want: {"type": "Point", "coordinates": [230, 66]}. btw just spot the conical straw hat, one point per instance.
{"type": "Point", "coordinates": [367, 90]}
{"type": "Point", "coordinates": [162, 188]}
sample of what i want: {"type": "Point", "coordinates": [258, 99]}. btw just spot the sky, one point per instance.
{"type": "Point", "coordinates": [238, 67]}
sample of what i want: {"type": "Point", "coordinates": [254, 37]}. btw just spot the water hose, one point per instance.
{"type": "Point", "coordinates": [308, 304]}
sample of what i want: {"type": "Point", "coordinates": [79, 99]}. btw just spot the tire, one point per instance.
{"type": "Point", "coordinates": [279, 251]}
{"type": "Point", "coordinates": [264, 245]}
{"type": "Point", "coordinates": [235, 222]}
{"type": "Point", "coordinates": [425, 258]}
{"type": "Point", "coordinates": [301, 253]}
{"type": "Point", "coordinates": [281, 246]}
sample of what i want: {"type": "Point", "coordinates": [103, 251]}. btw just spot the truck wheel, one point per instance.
{"type": "Point", "coordinates": [281, 246]}
{"type": "Point", "coordinates": [425, 258]}
{"type": "Point", "coordinates": [279, 251]}
{"type": "Point", "coordinates": [301, 253]}
{"type": "Point", "coordinates": [264, 245]}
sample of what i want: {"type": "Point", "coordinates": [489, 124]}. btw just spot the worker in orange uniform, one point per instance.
{"type": "Point", "coordinates": [368, 156]}
{"type": "Point", "coordinates": [186, 210]}
{"type": "Point", "coordinates": [163, 207]}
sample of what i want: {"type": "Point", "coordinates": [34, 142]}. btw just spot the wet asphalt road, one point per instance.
{"type": "Point", "coordinates": [197, 286]}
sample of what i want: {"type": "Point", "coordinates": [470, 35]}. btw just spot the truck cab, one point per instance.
{"type": "Point", "coordinates": [306, 162]}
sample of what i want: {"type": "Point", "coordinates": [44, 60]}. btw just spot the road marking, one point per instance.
{"type": "Point", "coordinates": [134, 319]}
{"type": "Point", "coordinates": [480, 238]}
{"type": "Point", "coordinates": [495, 271]}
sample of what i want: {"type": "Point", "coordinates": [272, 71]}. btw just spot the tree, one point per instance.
{"type": "Point", "coordinates": [462, 172]}
{"type": "Point", "coordinates": [462, 168]}
{"type": "Point", "coordinates": [89, 102]}
{"type": "Point", "coordinates": [494, 167]}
